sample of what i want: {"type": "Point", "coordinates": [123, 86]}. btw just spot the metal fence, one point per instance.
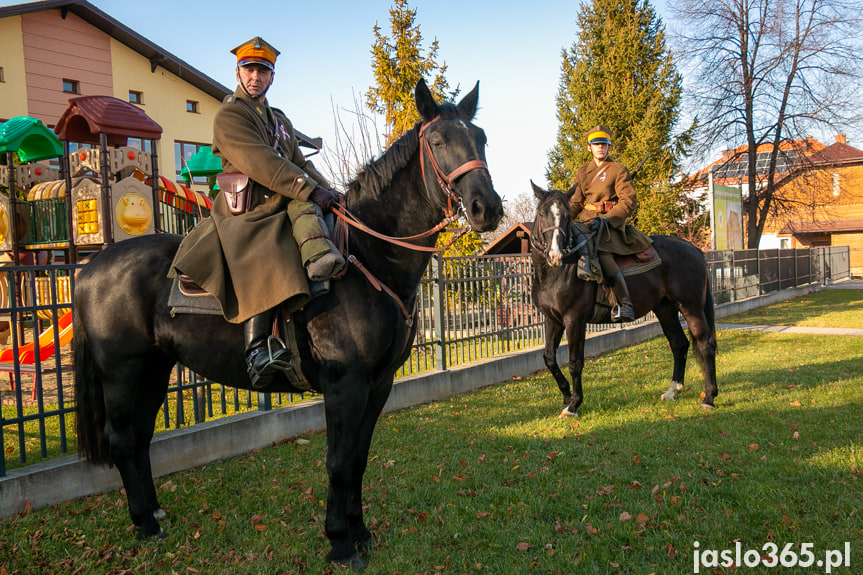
{"type": "Point", "coordinates": [470, 309]}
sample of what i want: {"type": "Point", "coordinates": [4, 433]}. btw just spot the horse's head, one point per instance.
{"type": "Point", "coordinates": [452, 152]}
{"type": "Point", "coordinates": [551, 234]}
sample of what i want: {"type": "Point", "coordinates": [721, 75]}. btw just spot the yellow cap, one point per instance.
{"type": "Point", "coordinates": [599, 135]}
{"type": "Point", "coordinates": [256, 51]}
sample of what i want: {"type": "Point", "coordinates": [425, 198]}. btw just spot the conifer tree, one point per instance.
{"type": "Point", "coordinates": [398, 63]}
{"type": "Point", "coordinates": [618, 73]}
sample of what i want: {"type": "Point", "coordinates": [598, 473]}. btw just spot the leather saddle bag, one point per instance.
{"type": "Point", "coordinates": [237, 190]}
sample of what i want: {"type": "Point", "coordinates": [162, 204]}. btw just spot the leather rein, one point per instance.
{"type": "Point", "coordinates": [452, 212]}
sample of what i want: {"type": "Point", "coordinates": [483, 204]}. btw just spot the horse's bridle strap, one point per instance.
{"type": "Point", "coordinates": [444, 180]}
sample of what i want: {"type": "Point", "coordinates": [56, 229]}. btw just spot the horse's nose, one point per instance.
{"type": "Point", "coordinates": [485, 214]}
{"type": "Point", "coordinates": [554, 257]}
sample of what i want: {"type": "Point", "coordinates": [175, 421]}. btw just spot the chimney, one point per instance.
{"type": "Point", "coordinates": [727, 154]}
{"type": "Point", "coordinates": [840, 138]}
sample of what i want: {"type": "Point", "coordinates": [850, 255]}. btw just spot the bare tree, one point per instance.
{"type": "Point", "coordinates": [761, 72]}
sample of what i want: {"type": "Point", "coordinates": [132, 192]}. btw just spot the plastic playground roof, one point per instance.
{"type": "Point", "coordinates": [30, 138]}
{"type": "Point", "coordinates": [89, 116]}
{"type": "Point", "coordinates": [203, 163]}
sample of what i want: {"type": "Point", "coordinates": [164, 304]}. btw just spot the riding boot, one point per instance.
{"type": "Point", "coordinates": [622, 312]}
{"type": "Point", "coordinates": [266, 355]}
{"type": "Point", "coordinates": [320, 256]}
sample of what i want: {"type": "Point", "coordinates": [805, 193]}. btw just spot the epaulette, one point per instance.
{"type": "Point", "coordinates": [228, 99]}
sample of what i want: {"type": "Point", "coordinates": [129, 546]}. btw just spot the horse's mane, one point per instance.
{"type": "Point", "coordinates": [378, 173]}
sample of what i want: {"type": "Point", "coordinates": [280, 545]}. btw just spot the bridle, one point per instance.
{"type": "Point", "coordinates": [537, 238]}
{"type": "Point", "coordinates": [454, 206]}
{"type": "Point", "coordinates": [453, 211]}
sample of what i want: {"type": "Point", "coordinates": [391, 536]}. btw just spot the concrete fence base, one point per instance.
{"type": "Point", "coordinates": [63, 479]}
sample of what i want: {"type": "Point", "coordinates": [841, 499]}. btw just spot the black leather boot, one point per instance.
{"type": "Point", "coordinates": [622, 312]}
{"type": "Point", "coordinates": [266, 355]}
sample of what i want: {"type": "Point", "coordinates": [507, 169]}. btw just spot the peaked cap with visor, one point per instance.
{"type": "Point", "coordinates": [599, 135]}
{"type": "Point", "coordinates": [256, 51]}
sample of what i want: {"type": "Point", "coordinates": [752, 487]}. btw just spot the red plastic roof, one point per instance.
{"type": "Point", "coordinates": [88, 116]}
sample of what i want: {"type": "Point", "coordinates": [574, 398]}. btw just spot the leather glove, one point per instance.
{"type": "Point", "coordinates": [324, 198]}
{"type": "Point", "coordinates": [596, 223]}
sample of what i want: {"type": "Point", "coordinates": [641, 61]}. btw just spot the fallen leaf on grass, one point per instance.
{"type": "Point", "coordinates": [624, 516]}
{"type": "Point", "coordinates": [523, 546]}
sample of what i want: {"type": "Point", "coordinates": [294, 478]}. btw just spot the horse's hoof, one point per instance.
{"type": "Point", "coordinates": [354, 563]}
{"type": "Point", "coordinates": [667, 396]}
{"type": "Point", "coordinates": [160, 516]}
{"type": "Point", "coordinates": [707, 406]}
{"type": "Point", "coordinates": [567, 413]}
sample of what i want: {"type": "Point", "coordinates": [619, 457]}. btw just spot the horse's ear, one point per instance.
{"type": "Point", "coordinates": [469, 103]}
{"type": "Point", "coordinates": [537, 191]}
{"type": "Point", "coordinates": [426, 105]}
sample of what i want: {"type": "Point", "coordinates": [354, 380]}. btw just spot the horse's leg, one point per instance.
{"type": "Point", "coordinates": [553, 335]}
{"type": "Point", "coordinates": [701, 327]}
{"type": "Point", "coordinates": [576, 326]}
{"type": "Point", "coordinates": [144, 427]}
{"type": "Point", "coordinates": [666, 313]}
{"type": "Point", "coordinates": [347, 403]}
{"type": "Point", "coordinates": [359, 533]}
{"type": "Point", "coordinates": [129, 428]}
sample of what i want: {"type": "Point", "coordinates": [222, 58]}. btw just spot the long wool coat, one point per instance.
{"type": "Point", "coordinates": [612, 185]}
{"type": "Point", "coordinates": [251, 262]}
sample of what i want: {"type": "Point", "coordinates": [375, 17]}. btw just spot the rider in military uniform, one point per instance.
{"type": "Point", "coordinates": [247, 260]}
{"type": "Point", "coordinates": [604, 196]}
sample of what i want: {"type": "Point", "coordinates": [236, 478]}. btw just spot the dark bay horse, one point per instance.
{"type": "Point", "coordinates": [351, 340]}
{"type": "Point", "coordinates": [680, 284]}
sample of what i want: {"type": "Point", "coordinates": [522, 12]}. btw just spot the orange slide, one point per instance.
{"type": "Point", "coordinates": [46, 342]}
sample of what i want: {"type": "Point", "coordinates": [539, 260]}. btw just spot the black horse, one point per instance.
{"type": "Point", "coordinates": [351, 340]}
{"type": "Point", "coordinates": [679, 284]}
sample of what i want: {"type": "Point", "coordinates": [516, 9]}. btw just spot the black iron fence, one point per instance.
{"type": "Point", "coordinates": [470, 309]}
{"type": "Point", "coordinates": [44, 223]}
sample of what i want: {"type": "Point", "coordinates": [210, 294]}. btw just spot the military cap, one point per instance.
{"type": "Point", "coordinates": [599, 135]}
{"type": "Point", "coordinates": [256, 51]}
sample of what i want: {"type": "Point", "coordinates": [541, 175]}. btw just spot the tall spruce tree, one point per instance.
{"type": "Point", "coordinates": [618, 73]}
{"type": "Point", "coordinates": [398, 64]}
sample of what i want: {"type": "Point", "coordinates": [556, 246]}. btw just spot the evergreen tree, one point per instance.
{"type": "Point", "coordinates": [618, 73]}
{"type": "Point", "coordinates": [398, 64]}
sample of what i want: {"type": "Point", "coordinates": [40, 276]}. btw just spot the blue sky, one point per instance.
{"type": "Point", "coordinates": [512, 48]}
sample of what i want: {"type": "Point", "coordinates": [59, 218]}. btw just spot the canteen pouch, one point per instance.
{"type": "Point", "coordinates": [237, 191]}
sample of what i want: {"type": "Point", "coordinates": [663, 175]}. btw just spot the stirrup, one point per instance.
{"type": "Point", "coordinates": [618, 315]}
{"type": "Point", "coordinates": [263, 376]}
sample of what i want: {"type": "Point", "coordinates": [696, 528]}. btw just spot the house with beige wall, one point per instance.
{"type": "Point", "coordinates": [818, 201]}
{"type": "Point", "coordinates": [54, 50]}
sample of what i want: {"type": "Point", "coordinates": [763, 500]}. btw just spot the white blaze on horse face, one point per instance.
{"type": "Point", "coordinates": [555, 253]}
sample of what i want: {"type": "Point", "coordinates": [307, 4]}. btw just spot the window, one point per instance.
{"type": "Point", "coordinates": [182, 152]}
{"type": "Point", "coordinates": [136, 97]}
{"type": "Point", "coordinates": [2, 75]}
{"type": "Point", "coordinates": [71, 86]}
{"type": "Point", "coordinates": [836, 184]}
{"type": "Point", "coordinates": [191, 106]}
{"type": "Point", "coordinates": [143, 145]}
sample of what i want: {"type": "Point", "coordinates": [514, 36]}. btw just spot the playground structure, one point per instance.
{"type": "Point", "coordinates": [103, 191]}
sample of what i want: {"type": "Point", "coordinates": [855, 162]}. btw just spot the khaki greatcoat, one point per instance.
{"type": "Point", "coordinates": [613, 185]}
{"type": "Point", "coordinates": [251, 262]}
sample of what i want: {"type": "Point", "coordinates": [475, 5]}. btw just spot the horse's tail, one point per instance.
{"type": "Point", "coordinates": [89, 399]}
{"type": "Point", "coordinates": [710, 317]}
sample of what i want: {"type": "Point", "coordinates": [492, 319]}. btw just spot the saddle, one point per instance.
{"type": "Point", "coordinates": [187, 297]}
{"type": "Point", "coordinates": [590, 270]}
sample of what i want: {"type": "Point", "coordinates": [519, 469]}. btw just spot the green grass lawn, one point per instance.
{"type": "Point", "coordinates": [494, 482]}
{"type": "Point", "coordinates": [826, 308]}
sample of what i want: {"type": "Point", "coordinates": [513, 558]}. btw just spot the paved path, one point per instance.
{"type": "Point", "coordinates": [845, 284]}
{"type": "Point", "coordinates": [792, 329]}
